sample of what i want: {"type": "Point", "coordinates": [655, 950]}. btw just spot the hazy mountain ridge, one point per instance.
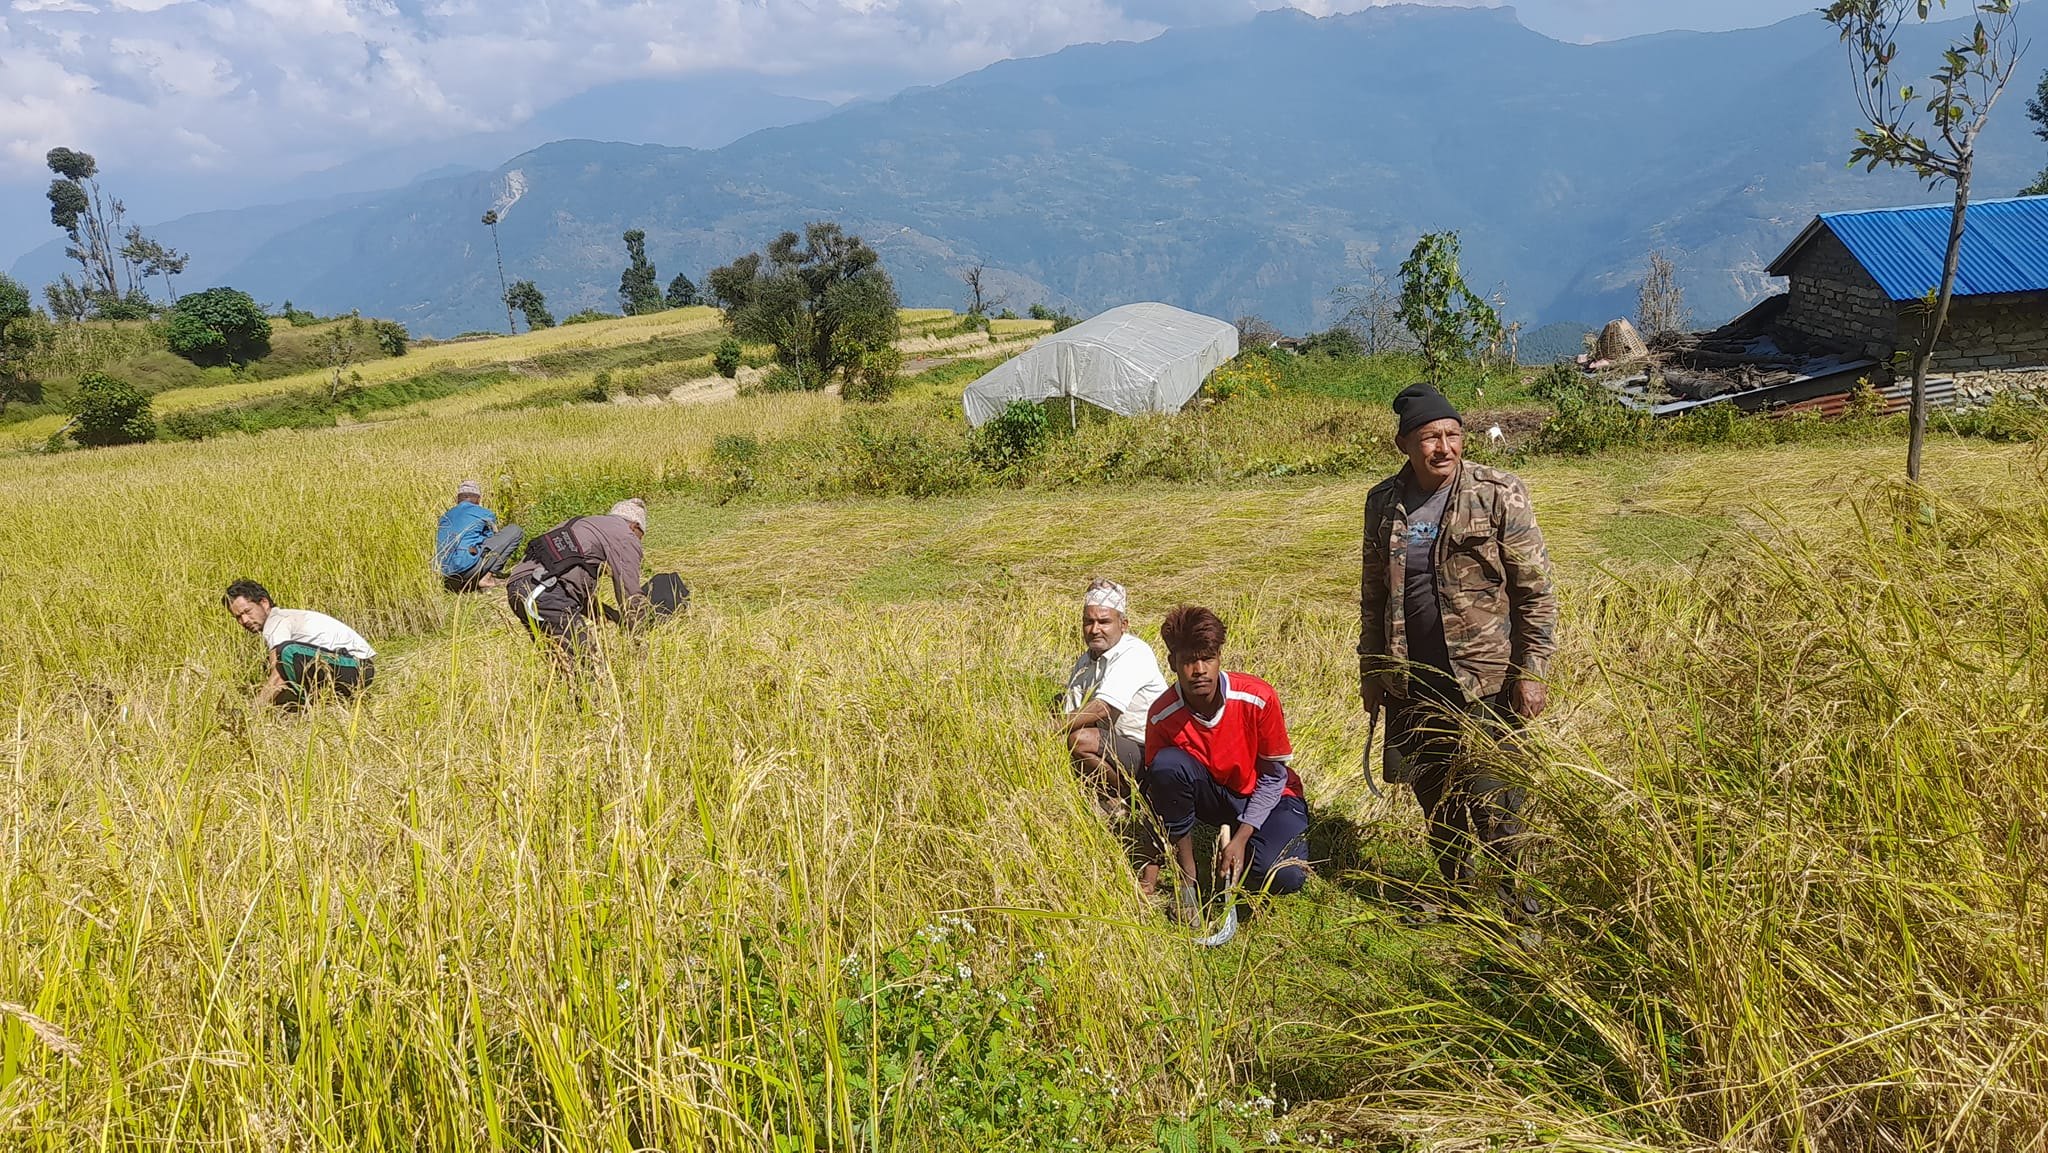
{"type": "Point", "coordinates": [1231, 170]}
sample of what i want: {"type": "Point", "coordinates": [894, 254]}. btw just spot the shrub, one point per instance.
{"type": "Point", "coordinates": [219, 326]}
{"type": "Point", "coordinates": [587, 316]}
{"type": "Point", "coordinates": [391, 336]}
{"type": "Point", "coordinates": [783, 378]}
{"type": "Point", "coordinates": [1017, 434]}
{"type": "Point", "coordinates": [1252, 375]}
{"type": "Point", "coordinates": [875, 380]}
{"type": "Point", "coordinates": [600, 387]}
{"type": "Point", "coordinates": [1060, 320]}
{"type": "Point", "coordinates": [727, 358]}
{"type": "Point", "coordinates": [896, 451]}
{"type": "Point", "coordinates": [111, 411]}
{"type": "Point", "coordinates": [296, 317]}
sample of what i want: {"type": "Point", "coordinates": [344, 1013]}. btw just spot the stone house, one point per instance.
{"type": "Point", "coordinates": [1858, 280]}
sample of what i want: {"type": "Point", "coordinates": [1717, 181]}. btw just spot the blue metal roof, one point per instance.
{"type": "Point", "coordinates": [2005, 246]}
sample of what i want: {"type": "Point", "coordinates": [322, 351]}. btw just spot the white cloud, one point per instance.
{"type": "Point", "coordinates": [297, 85]}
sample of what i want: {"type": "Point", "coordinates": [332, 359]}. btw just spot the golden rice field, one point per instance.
{"type": "Point", "coordinates": [807, 871]}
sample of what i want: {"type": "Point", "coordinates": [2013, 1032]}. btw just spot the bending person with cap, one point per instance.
{"type": "Point", "coordinates": [1457, 626]}
{"type": "Point", "coordinates": [1217, 753]}
{"type": "Point", "coordinates": [469, 547]}
{"type": "Point", "coordinates": [556, 591]}
{"type": "Point", "coordinates": [309, 652]}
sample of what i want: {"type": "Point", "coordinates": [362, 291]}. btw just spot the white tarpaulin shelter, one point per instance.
{"type": "Point", "coordinates": [1133, 359]}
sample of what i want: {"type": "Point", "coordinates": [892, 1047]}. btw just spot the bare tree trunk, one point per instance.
{"type": "Point", "coordinates": [504, 293]}
{"type": "Point", "coordinates": [1936, 322]}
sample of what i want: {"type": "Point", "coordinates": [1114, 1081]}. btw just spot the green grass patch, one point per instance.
{"type": "Point", "coordinates": [320, 409]}
{"type": "Point", "coordinates": [1659, 537]}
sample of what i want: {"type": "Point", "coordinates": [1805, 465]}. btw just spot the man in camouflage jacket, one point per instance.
{"type": "Point", "coordinates": [1457, 626]}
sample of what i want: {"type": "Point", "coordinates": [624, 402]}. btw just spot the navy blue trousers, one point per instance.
{"type": "Point", "coordinates": [1181, 792]}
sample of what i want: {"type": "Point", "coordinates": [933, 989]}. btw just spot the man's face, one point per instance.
{"type": "Point", "coordinates": [1102, 627]}
{"type": "Point", "coordinates": [1200, 677]}
{"type": "Point", "coordinates": [249, 614]}
{"type": "Point", "coordinates": [1434, 450]}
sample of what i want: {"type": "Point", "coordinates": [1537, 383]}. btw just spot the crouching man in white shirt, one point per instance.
{"type": "Point", "coordinates": [309, 651]}
{"type": "Point", "coordinates": [1111, 687]}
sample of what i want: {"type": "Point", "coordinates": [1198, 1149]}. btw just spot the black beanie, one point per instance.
{"type": "Point", "coordinates": [1421, 404]}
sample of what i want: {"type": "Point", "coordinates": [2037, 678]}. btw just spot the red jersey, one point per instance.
{"type": "Point", "coordinates": [1250, 729]}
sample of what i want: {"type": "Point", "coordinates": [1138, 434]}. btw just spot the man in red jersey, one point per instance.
{"type": "Point", "coordinates": [1216, 751]}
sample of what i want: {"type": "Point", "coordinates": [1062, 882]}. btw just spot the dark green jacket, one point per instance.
{"type": "Point", "coordinates": [1493, 583]}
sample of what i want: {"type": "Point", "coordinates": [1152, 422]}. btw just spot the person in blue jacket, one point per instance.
{"type": "Point", "coordinates": [469, 547]}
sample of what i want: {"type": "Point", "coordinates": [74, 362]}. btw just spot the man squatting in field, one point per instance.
{"type": "Point", "coordinates": [1216, 752]}
{"type": "Point", "coordinates": [309, 651]}
{"type": "Point", "coordinates": [1109, 691]}
{"type": "Point", "coordinates": [1457, 626]}
{"type": "Point", "coordinates": [554, 591]}
{"type": "Point", "coordinates": [469, 547]}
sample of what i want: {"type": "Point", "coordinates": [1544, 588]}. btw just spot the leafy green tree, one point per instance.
{"type": "Point", "coordinates": [2037, 111]}
{"type": "Point", "coordinates": [491, 219]}
{"type": "Point", "coordinates": [91, 219]}
{"type": "Point", "coordinates": [391, 337]}
{"type": "Point", "coordinates": [726, 359]}
{"type": "Point", "coordinates": [219, 326]}
{"type": "Point", "coordinates": [16, 385]}
{"type": "Point", "coordinates": [1450, 323]}
{"type": "Point", "coordinates": [732, 285]}
{"type": "Point", "coordinates": [822, 299]}
{"type": "Point", "coordinates": [150, 258]}
{"type": "Point", "coordinates": [1061, 321]}
{"type": "Point", "coordinates": [526, 296]}
{"type": "Point", "coordinates": [109, 411]}
{"type": "Point", "coordinates": [639, 290]}
{"type": "Point", "coordinates": [1972, 75]}
{"type": "Point", "coordinates": [681, 293]}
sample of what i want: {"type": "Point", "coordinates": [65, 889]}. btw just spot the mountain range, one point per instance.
{"type": "Point", "coordinates": [1249, 168]}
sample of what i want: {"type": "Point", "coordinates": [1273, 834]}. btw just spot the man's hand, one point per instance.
{"type": "Point", "coordinates": [1531, 699]}
{"type": "Point", "coordinates": [1234, 853]}
{"type": "Point", "coordinates": [1370, 694]}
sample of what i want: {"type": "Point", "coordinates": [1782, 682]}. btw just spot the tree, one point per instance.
{"type": "Point", "coordinates": [732, 285]}
{"type": "Point", "coordinates": [152, 259]}
{"type": "Point", "coordinates": [68, 299]}
{"type": "Point", "coordinates": [1256, 332]}
{"type": "Point", "coordinates": [1448, 321]}
{"type": "Point", "coordinates": [1660, 304]}
{"type": "Point", "coordinates": [1972, 76]}
{"type": "Point", "coordinates": [92, 221]}
{"type": "Point", "coordinates": [338, 348]}
{"type": "Point", "coordinates": [2037, 111]}
{"type": "Point", "coordinates": [639, 288]}
{"type": "Point", "coordinates": [16, 385]}
{"type": "Point", "coordinates": [822, 299]}
{"type": "Point", "coordinates": [525, 296]}
{"type": "Point", "coordinates": [979, 301]}
{"type": "Point", "coordinates": [1061, 321]}
{"type": "Point", "coordinates": [1371, 308]}
{"type": "Point", "coordinates": [491, 219]}
{"type": "Point", "coordinates": [220, 325]}
{"type": "Point", "coordinates": [681, 293]}
{"type": "Point", "coordinates": [109, 411]}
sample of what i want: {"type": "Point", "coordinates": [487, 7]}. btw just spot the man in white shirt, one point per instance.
{"type": "Point", "coordinates": [309, 651]}
{"type": "Point", "coordinates": [1111, 687]}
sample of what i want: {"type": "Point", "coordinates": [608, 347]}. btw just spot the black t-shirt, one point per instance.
{"type": "Point", "coordinates": [1425, 618]}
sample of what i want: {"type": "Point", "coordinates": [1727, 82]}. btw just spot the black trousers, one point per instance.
{"type": "Point", "coordinates": [1455, 749]}
{"type": "Point", "coordinates": [555, 615]}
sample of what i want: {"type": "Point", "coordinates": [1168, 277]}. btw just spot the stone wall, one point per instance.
{"type": "Point", "coordinates": [1834, 301]}
{"type": "Point", "coordinates": [1986, 333]}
